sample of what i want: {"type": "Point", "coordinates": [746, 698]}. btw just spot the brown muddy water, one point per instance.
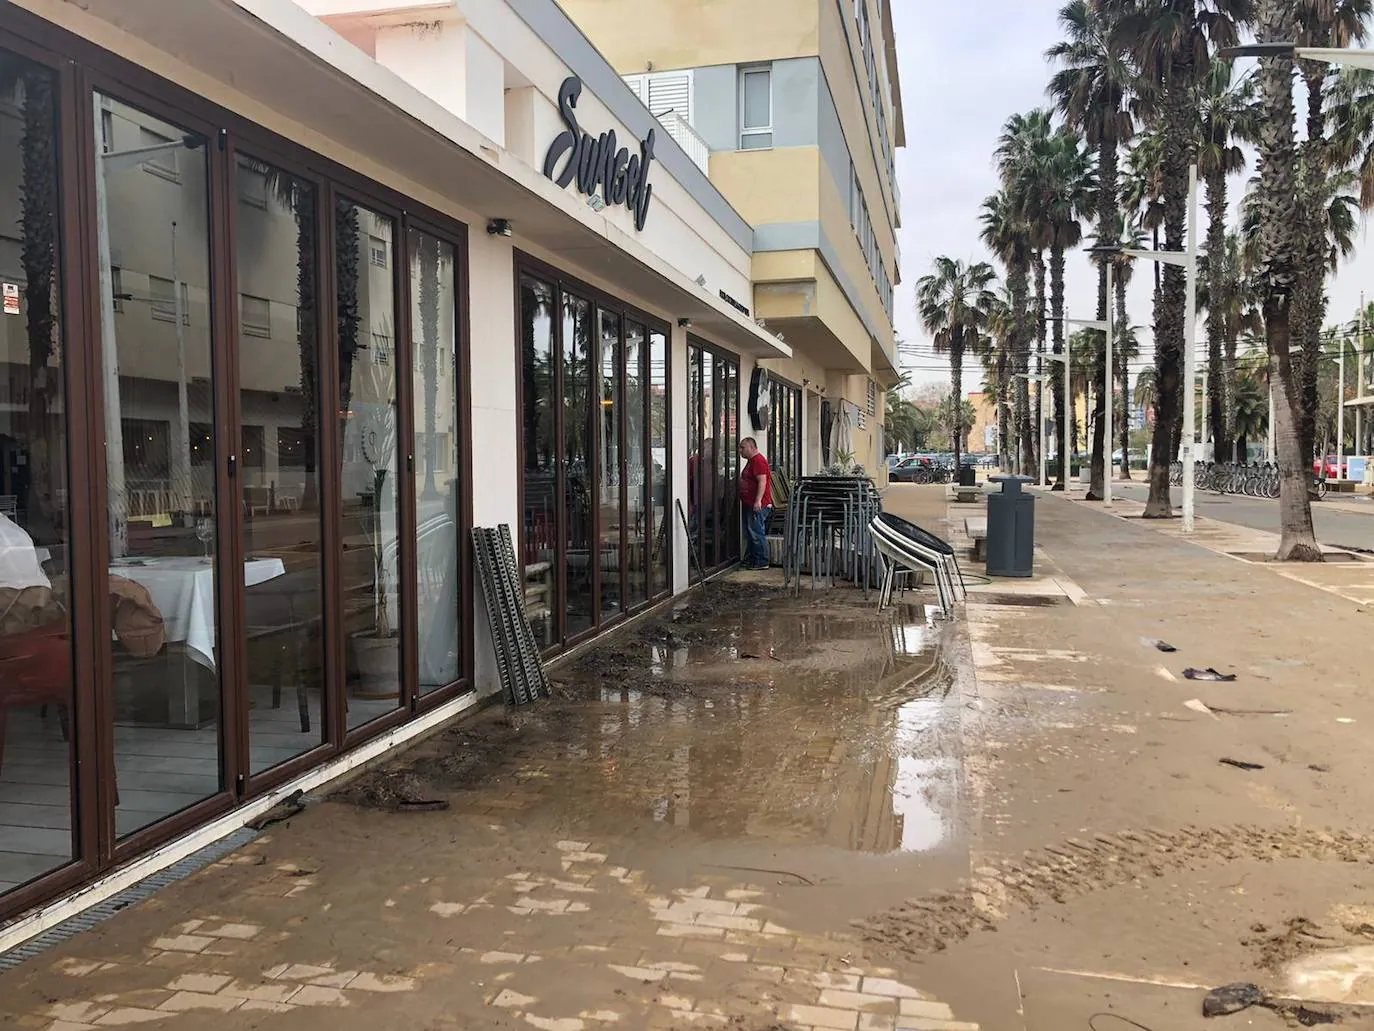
{"type": "Point", "coordinates": [742, 714]}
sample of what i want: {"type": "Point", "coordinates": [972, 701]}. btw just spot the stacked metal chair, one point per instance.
{"type": "Point", "coordinates": [903, 544]}
{"type": "Point", "coordinates": [826, 532]}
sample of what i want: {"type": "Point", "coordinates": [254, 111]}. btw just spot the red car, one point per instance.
{"type": "Point", "coordinates": [1333, 471]}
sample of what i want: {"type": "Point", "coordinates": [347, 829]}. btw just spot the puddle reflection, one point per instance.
{"type": "Point", "coordinates": [848, 737]}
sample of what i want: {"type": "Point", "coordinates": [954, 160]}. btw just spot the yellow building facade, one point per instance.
{"type": "Point", "coordinates": [793, 107]}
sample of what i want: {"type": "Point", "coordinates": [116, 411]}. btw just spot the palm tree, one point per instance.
{"type": "Point", "coordinates": [30, 88]}
{"type": "Point", "coordinates": [1125, 344]}
{"type": "Point", "coordinates": [953, 302]}
{"type": "Point", "coordinates": [1142, 188]}
{"type": "Point", "coordinates": [1251, 412]}
{"type": "Point", "coordinates": [997, 367]}
{"type": "Point", "coordinates": [1228, 116]}
{"type": "Point", "coordinates": [1319, 23]}
{"type": "Point", "coordinates": [1022, 138]}
{"type": "Point", "coordinates": [1093, 90]}
{"type": "Point", "coordinates": [1007, 236]}
{"type": "Point", "coordinates": [1278, 269]}
{"type": "Point", "coordinates": [1055, 188]}
{"type": "Point", "coordinates": [1171, 42]}
{"type": "Point", "coordinates": [1146, 389]}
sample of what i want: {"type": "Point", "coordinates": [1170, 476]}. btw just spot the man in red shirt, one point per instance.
{"type": "Point", "coordinates": [756, 502]}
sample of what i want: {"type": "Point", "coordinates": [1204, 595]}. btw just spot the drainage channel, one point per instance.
{"type": "Point", "coordinates": [130, 896]}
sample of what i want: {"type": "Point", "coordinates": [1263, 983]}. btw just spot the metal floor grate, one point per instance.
{"type": "Point", "coordinates": [130, 896]}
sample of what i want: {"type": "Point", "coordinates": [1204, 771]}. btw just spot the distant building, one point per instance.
{"type": "Point", "coordinates": [982, 437]}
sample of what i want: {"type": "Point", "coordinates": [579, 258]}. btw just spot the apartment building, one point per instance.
{"type": "Point", "coordinates": [794, 109]}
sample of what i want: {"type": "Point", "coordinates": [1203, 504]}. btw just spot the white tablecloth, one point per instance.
{"type": "Point", "coordinates": [183, 589]}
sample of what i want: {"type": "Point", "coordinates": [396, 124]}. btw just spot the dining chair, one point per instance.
{"type": "Point", "coordinates": [281, 613]}
{"type": "Point", "coordinates": [36, 669]}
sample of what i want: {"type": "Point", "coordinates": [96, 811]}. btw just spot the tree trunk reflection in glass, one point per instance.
{"type": "Point", "coordinates": [612, 482]}
{"type": "Point", "coordinates": [274, 244]}
{"type": "Point", "coordinates": [636, 516]}
{"type": "Point", "coordinates": [370, 466]}
{"type": "Point", "coordinates": [37, 695]}
{"type": "Point", "coordinates": [539, 453]}
{"type": "Point", "coordinates": [579, 429]}
{"type": "Point", "coordinates": [434, 296]}
{"type": "Point", "coordinates": [659, 497]}
{"type": "Point", "coordinates": [152, 215]}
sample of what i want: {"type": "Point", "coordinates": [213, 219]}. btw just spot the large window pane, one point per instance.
{"type": "Point", "coordinates": [434, 300]}
{"type": "Point", "coordinates": [636, 522]}
{"type": "Point", "coordinates": [729, 485]}
{"type": "Point", "coordinates": [659, 499]}
{"type": "Point", "coordinates": [36, 814]}
{"type": "Point", "coordinates": [539, 449]}
{"type": "Point", "coordinates": [278, 361]}
{"type": "Point", "coordinates": [152, 204]}
{"type": "Point", "coordinates": [612, 484]}
{"type": "Point", "coordinates": [579, 430]}
{"type": "Point", "coordinates": [370, 466]}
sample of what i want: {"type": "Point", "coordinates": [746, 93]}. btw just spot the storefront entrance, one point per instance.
{"type": "Point", "coordinates": [713, 461]}
{"type": "Point", "coordinates": [594, 404]}
{"type": "Point", "coordinates": [232, 451]}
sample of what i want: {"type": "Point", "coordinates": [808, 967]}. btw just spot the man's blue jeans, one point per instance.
{"type": "Point", "coordinates": [756, 526]}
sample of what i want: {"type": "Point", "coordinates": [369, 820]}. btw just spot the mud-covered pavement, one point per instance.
{"type": "Point", "coordinates": [760, 811]}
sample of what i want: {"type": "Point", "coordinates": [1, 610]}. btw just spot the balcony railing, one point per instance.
{"type": "Point", "coordinates": [681, 130]}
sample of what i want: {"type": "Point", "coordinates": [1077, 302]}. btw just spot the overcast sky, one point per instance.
{"type": "Point", "coordinates": [962, 76]}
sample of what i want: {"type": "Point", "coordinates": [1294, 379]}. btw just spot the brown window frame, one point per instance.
{"type": "Point", "coordinates": [565, 283]}
{"type": "Point", "coordinates": [82, 68]}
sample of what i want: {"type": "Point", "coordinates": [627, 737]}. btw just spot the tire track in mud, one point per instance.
{"type": "Point", "coordinates": [1060, 873]}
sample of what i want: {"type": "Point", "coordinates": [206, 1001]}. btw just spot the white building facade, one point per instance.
{"type": "Point", "coordinates": [291, 305]}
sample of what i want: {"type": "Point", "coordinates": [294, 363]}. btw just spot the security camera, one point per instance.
{"type": "Point", "coordinates": [498, 227]}
{"type": "Point", "coordinates": [685, 323]}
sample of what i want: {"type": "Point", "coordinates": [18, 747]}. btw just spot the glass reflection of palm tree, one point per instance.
{"type": "Point", "coordinates": [426, 253]}
{"type": "Point", "coordinates": [38, 224]}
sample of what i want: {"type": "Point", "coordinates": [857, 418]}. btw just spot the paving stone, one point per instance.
{"type": "Point", "coordinates": [858, 1001]}
{"type": "Point", "coordinates": [876, 1022]}
{"type": "Point", "coordinates": [824, 1016]}
{"type": "Point", "coordinates": [77, 1012]}
{"type": "Point", "coordinates": [129, 1015]}
{"type": "Point", "coordinates": [924, 1008]}
{"type": "Point", "coordinates": [645, 974]}
{"type": "Point", "coordinates": [928, 1024]}
{"type": "Point", "coordinates": [509, 999]}
{"type": "Point", "coordinates": [729, 923]}
{"type": "Point", "coordinates": [208, 983]}
{"type": "Point", "coordinates": [886, 986]}
{"type": "Point", "coordinates": [366, 982]}
{"type": "Point", "coordinates": [183, 943]}
{"type": "Point", "coordinates": [556, 1023]}
{"type": "Point", "coordinates": [506, 957]}
{"type": "Point", "coordinates": [247, 990]}
{"type": "Point", "coordinates": [183, 1001]}
{"type": "Point", "coordinates": [241, 932]}
{"type": "Point", "coordinates": [316, 995]}
{"type": "Point", "coordinates": [690, 931]}
{"type": "Point", "coordinates": [263, 1006]}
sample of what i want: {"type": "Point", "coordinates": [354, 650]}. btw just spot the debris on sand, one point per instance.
{"type": "Point", "coordinates": [1165, 646]}
{"type": "Point", "coordinates": [1208, 674]}
{"type": "Point", "coordinates": [1231, 998]}
{"type": "Point", "coordinates": [1241, 764]}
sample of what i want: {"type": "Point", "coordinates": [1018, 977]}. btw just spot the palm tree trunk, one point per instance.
{"type": "Point", "coordinates": [1017, 277]}
{"type": "Point", "coordinates": [1281, 261]}
{"type": "Point", "coordinates": [956, 388]}
{"type": "Point", "coordinates": [1123, 374]}
{"type": "Point", "coordinates": [1097, 463]}
{"type": "Point", "coordinates": [1311, 300]}
{"type": "Point", "coordinates": [1039, 316]}
{"type": "Point", "coordinates": [1216, 316]}
{"type": "Point", "coordinates": [1168, 318]}
{"type": "Point", "coordinates": [1003, 412]}
{"type": "Point", "coordinates": [307, 341]}
{"type": "Point", "coordinates": [1060, 401]}
{"type": "Point", "coordinates": [1107, 220]}
{"type": "Point", "coordinates": [429, 351]}
{"type": "Point", "coordinates": [1238, 451]}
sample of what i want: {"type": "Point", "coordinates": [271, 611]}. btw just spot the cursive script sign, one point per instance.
{"type": "Point", "coordinates": [596, 162]}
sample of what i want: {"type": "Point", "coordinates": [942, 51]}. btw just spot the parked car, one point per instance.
{"type": "Point", "coordinates": [905, 471]}
{"type": "Point", "coordinates": [1333, 470]}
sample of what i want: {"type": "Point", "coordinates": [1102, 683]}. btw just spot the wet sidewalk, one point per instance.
{"type": "Point", "coordinates": [763, 811]}
{"type": "Point", "coordinates": [679, 839]}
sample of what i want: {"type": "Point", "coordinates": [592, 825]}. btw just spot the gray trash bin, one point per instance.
{"type": "Point", "coordinates": [1011, 528]}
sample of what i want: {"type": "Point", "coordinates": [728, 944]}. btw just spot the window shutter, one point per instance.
{"type": "Point", "coordinates": [636, 84]}
{"type": "Point", "coordinates": [671, 91]}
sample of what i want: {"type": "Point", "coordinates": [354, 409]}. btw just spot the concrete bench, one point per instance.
{"type": "Point", "coordinates": [965, 495]}
{"type": "Point", "coordinates": [977, 531]}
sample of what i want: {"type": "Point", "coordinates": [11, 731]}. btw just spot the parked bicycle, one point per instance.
{"type": "Point", "coordinates": [1255, 480]}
